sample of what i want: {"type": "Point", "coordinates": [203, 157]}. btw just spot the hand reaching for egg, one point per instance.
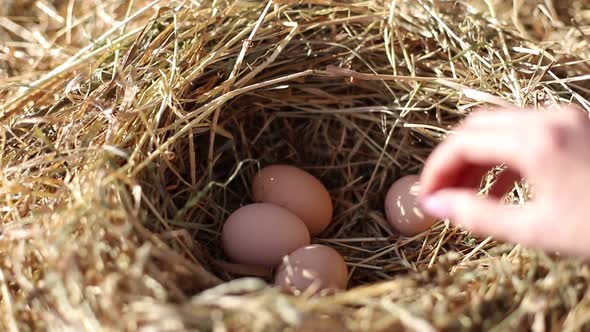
{"type": "Point", "coordinates": [550, 149]}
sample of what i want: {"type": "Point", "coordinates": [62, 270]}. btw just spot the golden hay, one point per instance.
{"type": "Point", "coordinates": [131, 129]}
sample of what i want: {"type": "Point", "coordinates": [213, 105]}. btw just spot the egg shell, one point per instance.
{"type": "Point", "coordinates": [402, 207]}
{"type": "Point", "coordinates": [262, 234]}
{"type": "Point", "coordinates": [312, 266]}
{"type": "Point", "coordinates": [296, 190]}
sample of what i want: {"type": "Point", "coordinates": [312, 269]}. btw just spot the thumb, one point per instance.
{"type": "Point", "coordinates": [482, 215]}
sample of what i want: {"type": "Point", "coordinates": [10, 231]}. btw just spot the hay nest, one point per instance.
{"type": "Point", "coordinates": [129, 137]}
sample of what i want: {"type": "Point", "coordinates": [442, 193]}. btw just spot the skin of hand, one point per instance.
{"type": "Point", "coordinates": [549, 148]}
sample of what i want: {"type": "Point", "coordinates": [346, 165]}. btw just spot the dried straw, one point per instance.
{"type": "Point", "coordinates": [131, 129]}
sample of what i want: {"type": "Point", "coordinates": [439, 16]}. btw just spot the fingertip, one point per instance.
{"type": "Point", "coordinates": [484, 216]}
{"type": "Point", "coordinates": [438, 206]}
{"type": "Point", "coordinates": [447, 203]}
{"type": "Point", "coordinates": [462, 206]}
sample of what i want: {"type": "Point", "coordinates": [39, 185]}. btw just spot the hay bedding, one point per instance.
{"type": "Point", "coordinates": [120, 164]}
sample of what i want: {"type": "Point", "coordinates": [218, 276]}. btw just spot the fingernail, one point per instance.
{"type": "Point", "coordinates": [437, 206]}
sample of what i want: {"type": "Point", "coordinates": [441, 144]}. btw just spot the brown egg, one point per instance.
{"type": "Point", "coordinates": [261, 234]}
{"type": "Point", "coordinates": [298, 192]}
{"type": "Point", "coordinates": [402, 207]}
{"type": "Point", "coordinates": [316, 267]}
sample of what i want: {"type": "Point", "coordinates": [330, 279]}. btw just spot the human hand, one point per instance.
{"type": "Point", "coordinates": [550, 149]}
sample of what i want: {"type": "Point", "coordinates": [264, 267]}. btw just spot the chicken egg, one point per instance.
{"type": "Point", "coordinates": [402, 208]}
{"type": "Point", "coordinates": [262, 234]}
{"type": "Point", "coordinates": [315, 267]}
{"type": "Point", "coordinates": [297, 191]}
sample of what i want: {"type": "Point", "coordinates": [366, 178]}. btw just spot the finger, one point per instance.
{"type": "Point", "coordinates": [515, 118]}
{"type": "Point", "coordinates": [498, 119]}
{"type": "Point", "coordinates": [484, 216]}
{"type": "Point", "coordinates": [465, 150]}
{"type": "Point", "coordinates": [505, 183]}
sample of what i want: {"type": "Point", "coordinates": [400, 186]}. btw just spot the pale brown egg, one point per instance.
{"type": "Point", "coordinates": [262, 234]}
{"type": "Point", "coordinates": [314, 268]}
{"type": "Point", "coordinates": [297, 191]}
{"type": "Point", "coordinates": [402, 208]}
